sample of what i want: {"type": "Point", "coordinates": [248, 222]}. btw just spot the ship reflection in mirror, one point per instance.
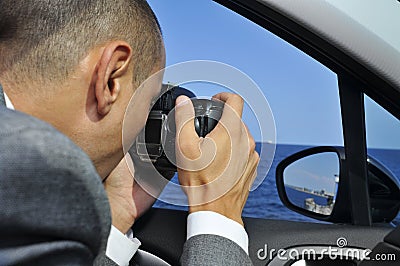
{"type": "Point", "coordinates": [311, 183]}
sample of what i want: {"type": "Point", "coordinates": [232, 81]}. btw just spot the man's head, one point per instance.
{"type": "Point", "coordinates": [76, 64]}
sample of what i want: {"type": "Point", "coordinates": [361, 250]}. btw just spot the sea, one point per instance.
{"type": "Point", "coordinates": [298, 197]}
{"type": "Point", "coordinates": [264, 201]}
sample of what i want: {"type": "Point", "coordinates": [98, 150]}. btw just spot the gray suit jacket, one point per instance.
{"type": "Point", "coordinates": [53, 207]}
{"type": "Point", "coordinates": [213, 250]}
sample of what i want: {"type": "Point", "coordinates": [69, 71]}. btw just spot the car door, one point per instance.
{"type": "Point", "coordinates": [365, 62]}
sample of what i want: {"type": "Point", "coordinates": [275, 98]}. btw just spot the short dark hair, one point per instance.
{"type": "Point", "coordinates": [46, 39]}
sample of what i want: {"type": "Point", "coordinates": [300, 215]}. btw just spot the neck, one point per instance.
{"type": "Point", "coordinates": [65, 110]}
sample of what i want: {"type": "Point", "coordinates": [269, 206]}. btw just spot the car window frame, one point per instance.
{"type": "Point", "coordinates": [354, 80]}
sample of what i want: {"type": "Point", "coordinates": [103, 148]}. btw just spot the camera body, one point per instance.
{"type": "Point", "coordinates": [156, 143]}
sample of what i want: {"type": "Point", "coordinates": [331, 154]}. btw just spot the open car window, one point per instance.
{"type": "Point", "coordinates": [303, 94]}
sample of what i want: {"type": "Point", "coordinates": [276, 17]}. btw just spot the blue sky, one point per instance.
{"type": "Point", "coordinates": [302, 93]}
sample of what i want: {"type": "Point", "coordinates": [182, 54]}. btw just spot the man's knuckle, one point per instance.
{"type": "Point", "coordinates": [252, 144]}
{"type": "Point", "coordinates": [185, 145]}
{"type": "Point", "coordinates": [237, 97]}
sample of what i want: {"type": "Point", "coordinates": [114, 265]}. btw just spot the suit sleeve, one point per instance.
{"type": "Point", "coordinates": [103, 260]}
{"type": "Point", "coordinates": [213, 250]}
{"type": "Point", "coordinates": [49, 252]}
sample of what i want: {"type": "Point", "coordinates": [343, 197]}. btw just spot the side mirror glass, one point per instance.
{"type": "Point", "coordinates": [314, 182]}
{"type": "Point", "coordinates": [311, 182]}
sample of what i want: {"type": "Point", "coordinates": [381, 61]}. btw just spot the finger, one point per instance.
{"type": "Point", "coordinates": [253, 178]}
{"type": "Point", "coordinates": [187, 138]}
{"type": "Point", "coordinates": [129, 163]}
{"type": "Point", "coordinates": [231, 116]}
{"type": "Point", "coordinates": [184, 118]}
{"type": "Point", "coordinates": [233, 100]}
{"type": "Point", "coordinates": [252, 143]}
{"type": "Point", "coordinates": [253, 164]}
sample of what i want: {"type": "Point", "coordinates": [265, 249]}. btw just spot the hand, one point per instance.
{"type": "Point", "coordinates": [217, 171]}
{"type": "Point", "coordinates": [128, 201]}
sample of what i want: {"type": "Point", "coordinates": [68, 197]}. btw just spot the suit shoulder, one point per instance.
{"type": "Point", "coordinates": [23, 137]}
{"type": "Point", "coordinates": [34, 149]}
{"type": "Point", "coordinates": [49, 184]}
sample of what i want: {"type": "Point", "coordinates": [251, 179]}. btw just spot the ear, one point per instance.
{"type": "Point", "coordinates": [112, 67]}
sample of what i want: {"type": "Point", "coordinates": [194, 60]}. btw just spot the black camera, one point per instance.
{"type": "Point", "coordinates": [156, 143]}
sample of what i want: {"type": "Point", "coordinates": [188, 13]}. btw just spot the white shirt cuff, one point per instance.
{"type": "Point", "coordinates": [9, 104]}
{"type": "Point", "coordinates": [212, 223]}
{"type": "Point", "coordinates": [120, 247]}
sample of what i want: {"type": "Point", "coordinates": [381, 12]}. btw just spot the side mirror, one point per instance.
{"type": "Point", "coordinates": [313, 183]}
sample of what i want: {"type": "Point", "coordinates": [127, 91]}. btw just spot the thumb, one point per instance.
{"type": "Point", "coordinates": [184, 119]}
{"type": "Point", "coordinates": [129, 163]}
